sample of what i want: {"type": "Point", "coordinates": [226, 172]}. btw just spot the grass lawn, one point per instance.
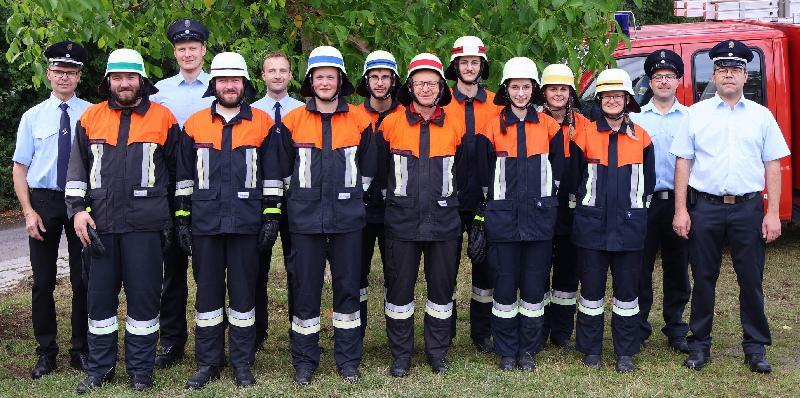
{"type": "Point", "coordinates": [659, 373]}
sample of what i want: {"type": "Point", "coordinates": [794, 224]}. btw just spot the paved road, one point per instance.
{"type": "Point", "coordinates": [15, 265]}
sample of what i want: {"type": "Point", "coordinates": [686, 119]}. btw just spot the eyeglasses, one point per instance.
{"type": "Point", "coordinates": [613, 97]}
{"type": "Point", "coordinates": [378, 79]}
{"type": "Point", "coordinates": [732, 71]}
{"type": "Point", "coordinates": [62, 73]}
{"type": "Point", "coordinates": [666, 77]}
{"type": "Point", "coordinates": [428, 84]}
{"type": "Point", "coordinates": [474, 63]}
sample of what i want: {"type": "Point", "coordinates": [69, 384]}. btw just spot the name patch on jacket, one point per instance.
{"type": "Point", "coordinates": [304, 145]}
{"type": "Point", "coordinates": [203, 145]}
{"type": "Point", "coordinates": [94, 141]}
{"type": "Point", "coordinates": [501, 154]}
{"type": "Point", "coordinates": [405, 152]}
{"type": "Point", "coordinates": [592, 161]}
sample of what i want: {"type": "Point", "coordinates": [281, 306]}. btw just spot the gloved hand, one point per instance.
{"type": "Point", "coordinates": [166, 239]}
{"type": "Point", "coordinates": [184, 234]}
{"type": "Point", "coordinates": [476, 246]}
{"type": "Point", "coordinates": [268, 234]}
{"type": "Point", "coordinates": [96, 247]}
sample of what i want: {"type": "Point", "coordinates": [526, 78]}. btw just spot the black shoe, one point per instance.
{"type": "Point", "coordinates": [141, 382]}
{"type": "Point", "coordinates": [527, 362]}
{"type": "Point", "coordinates": [303, 376]}
{"type": "Point", "coordinates": [484, 345]}
{"type": "Point", "coordinates": [350, 374]}
{"type": "Point", "coordinates": [168, 356]}
{"type": "Point", "coordinates": [92, 382]}
{"type": "Point", "coordinates": [592, 361]}
{"type": "Point", "coordinates": [507, 364]}
{"type": "Point", "coordinates": [44, 366]}
{"type": "Point", "coordinates": [244, 377]}
{"type": "Point", "coordinates": [203, 376]}
{"type": "Point", "coordinates": [678, 344]}
{"type": "Point", "coordinates": [79, 362]}
{"type": "Point", "coordinates": [565, 345]}
{"type": "Point", "coordinates": [697, 359]}
{"type": "Point", "coordinates": [758, 363]}
{"type": "Point", "coordinates": [625, 364]}
{"type": "Point", "coordinates": [439, 366]}
{"type": "Point", "coordinates": [400, 368]}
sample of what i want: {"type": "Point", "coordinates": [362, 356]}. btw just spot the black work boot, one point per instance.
{"type": "Point", "coordinates": [44, 366]}
{"type": "Point", "coordinates": [203, 376]}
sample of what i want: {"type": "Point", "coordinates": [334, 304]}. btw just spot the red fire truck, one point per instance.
{"type": "Point", "coordinates": [773, 77]}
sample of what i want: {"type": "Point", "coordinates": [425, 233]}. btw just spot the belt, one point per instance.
{"type": "Point", "coordinates": [664, 195]}
{"type": "Point", "coordinates": [728, 199]}
{"type": "Point", "coordinates": [48, 191]}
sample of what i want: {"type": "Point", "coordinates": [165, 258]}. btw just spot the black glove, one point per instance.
{"type": "Point", "coordinates": [268, 235]}
{"type": "Point", "coordinates": [476, 246]}
{"type": "Point", "coordinates": [166, 239]}
{"type": "Point", "coordinates": [96, 247]}
{"type": "Point", "coordinates": [184, 234]}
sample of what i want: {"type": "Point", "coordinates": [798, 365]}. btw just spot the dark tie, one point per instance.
{"type": "Point", "coordinates": [64, 145]}
{"type": "Point", "coordinates": [278, 116]}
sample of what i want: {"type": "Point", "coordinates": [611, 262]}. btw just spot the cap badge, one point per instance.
{"type": "Point", "coordinates": [663, 54]}
{"type": "Point", "coordinates": [730, 44]}
{"type": "Point", "coordinates": [730, 54]}
{"type": "Point", "coordinates": [67, 55]}
{"type": "Point", "coordinates": [69, 46]}
{"type": "Point", "coordinates": [663, 61]}
{"type": "Point", "coordinates": [186, 31]}
{"type": "Point", "coordinates": [187, 23]}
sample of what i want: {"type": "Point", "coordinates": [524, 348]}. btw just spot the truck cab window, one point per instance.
{"type": "Point", "coordinates": [634, 65]}
{"type": "Point", "coordinates": [754, 88]}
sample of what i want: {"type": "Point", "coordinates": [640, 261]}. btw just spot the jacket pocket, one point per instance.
{"type": "Point", "coordinates": [500, 221]}
{"type": "Point", "coordinates": [304, 208]}
{"type": "Point", "coordinates": [247, 210]}
{"type": "Point", "coordinates": [205, 211]}
{"type": "Point", "coordinates": [148, 208]}
{"type": "Point", "coordinates": [542, 222]}
{"type": "Point", "coordinates": [401, 216]}
{"type": "Point", "coordinates": [632, 227]}
{"type": "Point", "coordinates": [100, 205]}
{"type": "Point", "coordinates": [349, 209]}
{"type": "Point", "coordinates": [589, 226]}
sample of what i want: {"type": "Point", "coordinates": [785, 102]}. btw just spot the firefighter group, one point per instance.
{"type": "Point", "coordinates": [544, 199]}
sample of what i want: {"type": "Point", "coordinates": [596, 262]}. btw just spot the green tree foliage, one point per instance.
{"type": "Point", "coordinates": [571, 31]}
{"type": "Point", "coordinates": [652, 12]}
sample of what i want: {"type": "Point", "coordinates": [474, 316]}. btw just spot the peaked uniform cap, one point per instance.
{"type": "Point", "coordinates": [663, 59]}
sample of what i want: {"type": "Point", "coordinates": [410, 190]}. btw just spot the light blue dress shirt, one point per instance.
{"type": "Point", "coordinates": [181, 98]}
{"type": "Point", "coordinates": [37, 139]}
{"type": "Point", "coordinates": [729, 146]}
{"type": "Point", "coordinates": [267, 104]}
{"type": "Point", "coordinates": [662, 129]}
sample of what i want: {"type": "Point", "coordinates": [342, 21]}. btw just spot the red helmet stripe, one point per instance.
{"type": "Point", "coordinates": [460, 50]}
{"type": "Point", "coordinates": [425, 62]}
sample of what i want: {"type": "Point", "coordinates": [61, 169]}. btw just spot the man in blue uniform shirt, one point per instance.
{"type": "Point", "coordinates": [41, 156]}
{"type": "Point", "coordinates": [183, 95]}
{"type": "Point", "coordinates": [276, 72]}
{"type": "Point", "coordinates": [729, 152]}
{"type": "Point", "coordinates": [663, 117]}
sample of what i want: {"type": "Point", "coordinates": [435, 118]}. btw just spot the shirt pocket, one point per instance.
{"type": "Point", "coordinates": [42, 137]}
{"type": "Point", "coordinates": [148, 208]}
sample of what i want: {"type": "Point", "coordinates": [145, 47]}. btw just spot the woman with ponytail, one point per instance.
{"type": "Point", "coordinates": [520, 171]}
{"type": "Point", "coordinates": [560, 102]}
{"type": "Point", "coordinates": [615, 167]}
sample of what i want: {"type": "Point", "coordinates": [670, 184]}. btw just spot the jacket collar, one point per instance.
{"type": "Point", "coordinates": [511, 118]}
{"type": "Point", "coordinates": [141, 108]}
{"type": "Point", "coordinates": [245, 112]}
{"type": "Point", "coordinates": [480, 96]}
{"type": "Point", "coordinates": [341, 106]}
{"type": "Point", "coordinates": [414, 117]}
